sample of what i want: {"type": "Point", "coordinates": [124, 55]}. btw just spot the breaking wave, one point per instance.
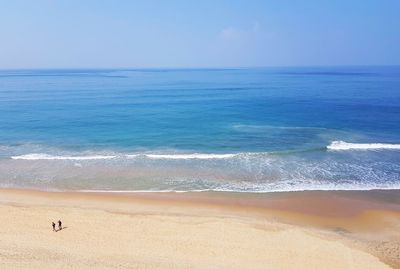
{"type": "Point", "coordinates": [341, 145]}
{"type": "Point", "coordinates": [334, 146]}
{"type": "Point", "coordinates": [190, 156]}
{"type": "Point", "coordinates": [172, 170]}
{"type": "Point", "coordinates": [51, 157]}
{"type": "Point", "coordinates": [129, 156]}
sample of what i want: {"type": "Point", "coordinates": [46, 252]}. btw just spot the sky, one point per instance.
{"type": "Point", "coordinates": [207, 33]}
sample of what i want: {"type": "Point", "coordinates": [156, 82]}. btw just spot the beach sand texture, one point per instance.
{"type": "Point", "coordinates": [103, 231]}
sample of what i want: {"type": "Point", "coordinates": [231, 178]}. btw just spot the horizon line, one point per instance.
{"type": "Point", "coordinates": [196, 68]}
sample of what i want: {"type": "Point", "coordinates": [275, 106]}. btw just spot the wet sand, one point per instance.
{"type": "Point", "coordinates": [318, 229]}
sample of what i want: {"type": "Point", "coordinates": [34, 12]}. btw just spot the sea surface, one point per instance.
{"type": "Point", "coordinates": [244, 130]}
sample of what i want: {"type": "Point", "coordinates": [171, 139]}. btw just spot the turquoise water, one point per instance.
{"type": "Point", "coordinates": [253, 130]}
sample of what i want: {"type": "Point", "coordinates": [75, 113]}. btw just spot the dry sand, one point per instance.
{"type": "Point", "coordinates": [288, 230]}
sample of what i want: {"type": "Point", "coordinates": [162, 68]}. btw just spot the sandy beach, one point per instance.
{"type": "Point", "coordinates": [204, 230]}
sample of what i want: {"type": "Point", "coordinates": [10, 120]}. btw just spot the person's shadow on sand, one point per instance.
{"type": "Point", "coordinates": [59, 230]}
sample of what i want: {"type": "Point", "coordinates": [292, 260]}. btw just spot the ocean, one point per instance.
{"type": "Point", "coordinates": [240, 129]}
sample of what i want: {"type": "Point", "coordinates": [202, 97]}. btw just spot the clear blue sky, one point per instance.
{"type": "Point", "coordinates": [208, 33]}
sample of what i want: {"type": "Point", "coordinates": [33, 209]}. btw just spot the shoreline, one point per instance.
{"type": "Point", "coordinates": [295, 201]}
{"type": "Point", "coordinates": [361, 221]}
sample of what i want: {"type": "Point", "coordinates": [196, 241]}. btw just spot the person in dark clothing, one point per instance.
{"type": "Point", "coordinates": [59, 225]}
{"type": "Point", "coordinates": [54, 226]}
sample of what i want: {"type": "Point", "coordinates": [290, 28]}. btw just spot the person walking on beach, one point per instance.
{"type": "Point", "coordinates": [54, 226]}
{"type": "Point", "coordinates": [59, 225]}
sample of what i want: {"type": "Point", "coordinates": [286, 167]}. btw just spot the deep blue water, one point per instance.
{"type": "Point", "coordinates": [261, 129]}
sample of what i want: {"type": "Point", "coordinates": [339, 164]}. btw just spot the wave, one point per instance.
{"type": "Point", "coordinates": [190, 156]}
{"type": "Point", "coordinates": [153, 191]}
{"type": "Point", "coordinates": [52, 157]}
{"type": "Point", "coordinates": [341, 145]}
{"type": "Point", "coordinates": [129, 156]}
{"type": "Point", "coordinates": [255, 191]}
{"type": "Point", "coordinates": [335, 145]}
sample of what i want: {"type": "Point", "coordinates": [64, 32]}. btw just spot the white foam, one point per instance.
{"type": "Point", "coordinates": [190, 156]}
{"type": "Point", "coordinates": [341, 145]}
{"type": "Point", "coordinates": [35, 156]}
{"type": "Point", "coordinates": [131, 156]}
{"type": "Point", "coordinates": [335, 145]}
{"type": "Point", "coordinates": [40, 156]}
{"type": "Point", "coordinates": [264, 190]}
{"type": "Point", "coordinates": [146, 191]}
